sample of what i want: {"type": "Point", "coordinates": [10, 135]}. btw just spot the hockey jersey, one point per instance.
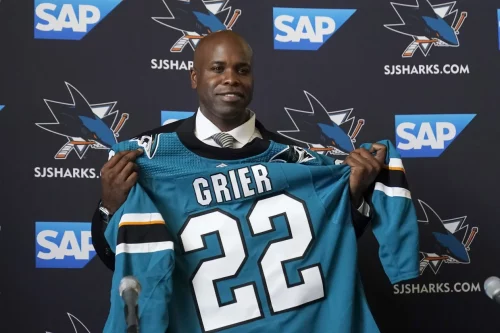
{"type": "Point", "coordinates": [262, 243]}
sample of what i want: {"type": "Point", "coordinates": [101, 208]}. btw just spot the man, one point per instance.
{"type": "Point", "coordinates": [222, 77]}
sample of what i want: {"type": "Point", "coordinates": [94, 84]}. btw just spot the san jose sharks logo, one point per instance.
{"type": "Point", "coordinates": [83, 124]}
{"type": "Point", "coordinates": [443, 241]}
{"type": "Point", "coordinates": [149, 143]}
{"type": "Point", "coordinates": [326, 132]}
{"type": "Point", "coordinates": [428, 25]}
{"type": "Point", "coordinates": [292, 154]}
{"type": "Point", "coordinates": [197, 18]}
{"type": "Point", "coordinates": [78, 326]}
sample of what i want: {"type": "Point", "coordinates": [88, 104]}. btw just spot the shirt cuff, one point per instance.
{"type": "Point", "coordinates": [364, 208]}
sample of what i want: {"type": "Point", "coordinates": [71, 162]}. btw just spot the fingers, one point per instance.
{"type": "Point", "coordinates": [127, 170]}
{"type": "Point", "coordinates": [120, 160]}
{"type": "Point", "coordinates": [369, 158]}
{"type": "Point", "coordinates": [132, 154]}
{"type": "Point", "coordinates": [363, 157]}
{"type": "Point", "coordinates": [380, 152]}
{"type": "Point", "coordinates": [132, 179]}
{"type": "Point", "coordinates": [354, 159]}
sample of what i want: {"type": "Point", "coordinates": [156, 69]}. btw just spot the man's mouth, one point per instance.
{"type": "Point", "coordinates": [231, 96]}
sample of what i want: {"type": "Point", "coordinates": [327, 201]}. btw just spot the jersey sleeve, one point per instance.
{"type": "Point", "coordinates": [394, 222]}
{"type": "Point", "coordinates": [143, 248]}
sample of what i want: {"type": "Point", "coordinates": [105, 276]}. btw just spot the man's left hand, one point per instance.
{"type": "Point", "coordinates": [365, 167]}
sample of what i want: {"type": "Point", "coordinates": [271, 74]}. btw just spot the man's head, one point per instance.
{"type": "Point", "coordinates": [222, 75]}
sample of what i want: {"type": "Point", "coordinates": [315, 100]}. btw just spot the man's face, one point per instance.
{"type": "Point", "coordinates": [223, 78]}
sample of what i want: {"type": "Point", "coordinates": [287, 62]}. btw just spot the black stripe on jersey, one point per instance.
{"type": "Point", "coordinates": [393, 178]}
{"type": "Point", "coordinates": [136, 234]}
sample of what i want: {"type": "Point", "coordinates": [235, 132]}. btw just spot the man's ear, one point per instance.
{"type": "Point", "coordinates": [194, 78]}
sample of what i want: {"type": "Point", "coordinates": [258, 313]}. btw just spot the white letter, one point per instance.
{"type": "Point", "coordinates": [86, 20]}
{"type": "Point", "coordinates": [280, 25]}
{"type": "Point", "coordinates": [244, 180]}
{"type": "Point", "coordinates": [219, 183]}
{"type": "Point", "coordinates": [305, 30]}
{"type": "Point", "coordinates": [69, 246]}
{"type": "Point", "coordinates": [51, 20]}
{"type": "Point", "coordinates": [260, 175]}
{"type": "Point", "coordinates": [70, 23]}
{"type": "Point", "coordinates": [323, 31]}
{"type": "Point", "coordinates": [406, 135]}
{"type": "Point", "coordinates": [197, 184]}
{"type": "Point", "coordinates": [441, 136]}
{"type": "Point", "coordinates": [42, 240]}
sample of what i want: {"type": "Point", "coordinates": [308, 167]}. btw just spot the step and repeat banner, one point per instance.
{"type": "Point", "coordinates": [424, 74]}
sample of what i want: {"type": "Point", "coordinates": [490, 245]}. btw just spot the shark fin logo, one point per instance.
{"type": "Point", "coordinates": [428, 25]}
{"type": "Point", "coordinates": [78, 326]}
{"type": "Point", "coordinates": [326, 132]}
{"type": "Point", "coordinates": [197, 18]}
{"type": "Point", "coordinates": [84, 125]}
{"type": "Point", "coordinates": [149, 143]}
{"type": "Point", "coordinates": [443, 241]}
{"type": "Point", "coordinates": [293, 154]}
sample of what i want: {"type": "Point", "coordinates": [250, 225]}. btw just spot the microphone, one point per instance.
{"type": "Point", "coordinates": [129, 291]}
{"type": "Point", "coordinates": [492, 288]}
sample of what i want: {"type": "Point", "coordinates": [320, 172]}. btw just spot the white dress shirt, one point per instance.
{"type": "Point", "coordinates": [243, 134]}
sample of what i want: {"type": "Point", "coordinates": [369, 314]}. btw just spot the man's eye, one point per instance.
{"type": "Point", "coordinates": [217, 68]}
{"type": "Point", "coordinates": [244, 70]}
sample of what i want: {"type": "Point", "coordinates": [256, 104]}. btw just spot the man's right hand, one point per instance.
{"type": "Point", "coordinates": [118, 176]}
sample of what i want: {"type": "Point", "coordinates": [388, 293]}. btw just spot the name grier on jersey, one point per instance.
{"type": "Point", "coordinates": [219, 185]}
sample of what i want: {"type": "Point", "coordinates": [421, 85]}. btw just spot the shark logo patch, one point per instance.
{"type": "Point", "coordinates": [326, 132]}
{"type": "Point", "coordinates": [443, 241]}
{"type": "Point", "coordinates": [197, 18]}
{"type": "Point", "coordinates": [149, 143]}
{"type": "Point", "coordinates": [84, 125]}
{"type": "Point", "coordinates": [293, 154]}
{"type": "Point", "coordinates": [428, 25]}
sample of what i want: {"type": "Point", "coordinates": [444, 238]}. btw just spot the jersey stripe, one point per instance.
{"type": "Point", "coordinates": [144, 247]}
{"type": "Point", "coordinates": [141, 223]}
{"type": "Point", "coordinates": [150, 233]}
{"type": "Point", "coordinates": [393, 178]}
{"type": "Point", "coordinates": [395, 164]}
{"type": "Point", "coordinates": [141, 218]}
{"type": "Point", "coordinates": [393, 191]}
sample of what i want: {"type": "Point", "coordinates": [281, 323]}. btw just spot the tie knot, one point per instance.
{"type": "Point", "coordinates": [223, 139]}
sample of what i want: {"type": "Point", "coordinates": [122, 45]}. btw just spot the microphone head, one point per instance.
{"type": "Point", "coordinates": [492, 286]}
{"type": "Point", "coordinates": [129, 282]}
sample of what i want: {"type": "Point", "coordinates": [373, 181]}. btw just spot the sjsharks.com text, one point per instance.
{"type": "Point", "coordinates": [436, 288]}
{"type": "Point", "coordinates": [50, 172]}
{"type": "Point", "coordinates": [453, 69]}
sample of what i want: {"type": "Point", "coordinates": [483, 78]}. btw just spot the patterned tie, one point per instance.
{"type": "Point", "coordinates": [223, 139]}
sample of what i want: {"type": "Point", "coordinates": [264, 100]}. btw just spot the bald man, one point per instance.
{"type": "Point", "coordinates": [223, 79]}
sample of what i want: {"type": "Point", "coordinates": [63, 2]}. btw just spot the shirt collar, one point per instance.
{"type": "Point", "coordinates": [204, 128]}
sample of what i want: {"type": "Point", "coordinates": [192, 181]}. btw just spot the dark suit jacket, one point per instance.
{"type": "Point", "coordinates": [187, 126]}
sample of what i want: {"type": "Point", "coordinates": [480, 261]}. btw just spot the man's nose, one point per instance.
{"type": "Point", "coordinates": [231, 78]}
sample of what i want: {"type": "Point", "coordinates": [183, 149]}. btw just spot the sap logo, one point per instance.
{"type": "Point", "coordinates": [63, 244]}
{"type": "Point", "coordinates": [306, 28]}
{"type": "Point", "coordinates": [428, 135]}
{"type": "Point", "coordinates": [69, 19]}
{"type": "Point", "coordinates": [168, 117]}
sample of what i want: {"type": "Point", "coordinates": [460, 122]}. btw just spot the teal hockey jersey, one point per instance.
{"type": "Point", "coordinates": [257, 239]}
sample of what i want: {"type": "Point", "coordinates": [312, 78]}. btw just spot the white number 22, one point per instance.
{"type": "Point", "coordinates": [281, 295]}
